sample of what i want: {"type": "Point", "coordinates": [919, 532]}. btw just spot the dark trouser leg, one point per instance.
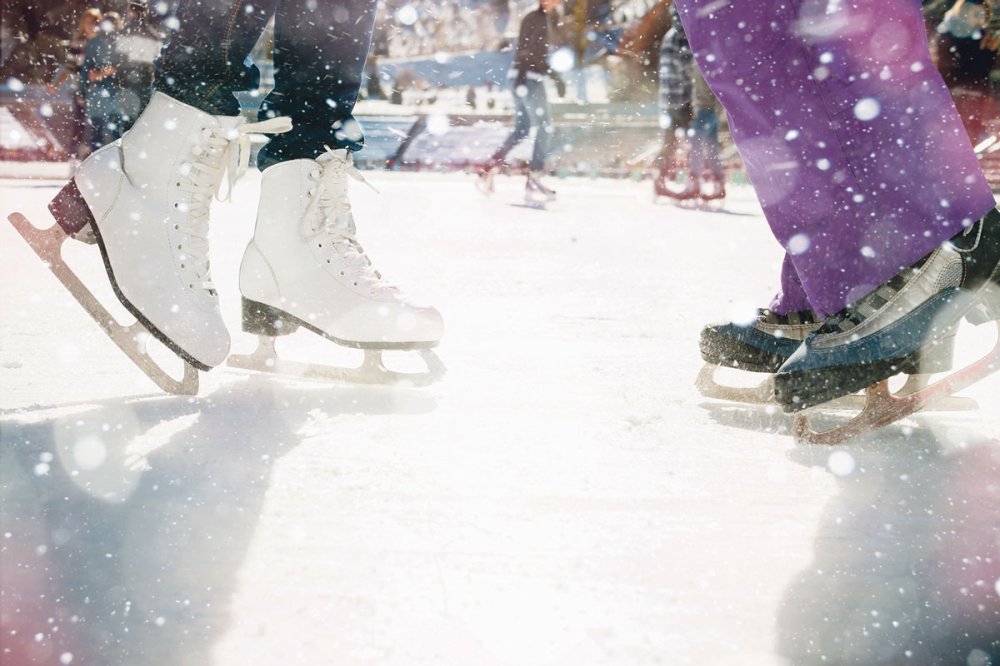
{"type": "Point", "coordinates": [319, 59]}
{"type": "Point", "coordinates": [849, 135]}
{"type": "Point", "coordinates": [202, 64]}
{"type": "Point", "coordinates": [676, 64]}
{"type": "Point", "coordinates": [705, 143]}
{"type": "Point", "coordinates": [677, 120]}
{"type": "Point", "coordinates": [538, 104]}
{"type": "Point", "coordinates": [522, 127]}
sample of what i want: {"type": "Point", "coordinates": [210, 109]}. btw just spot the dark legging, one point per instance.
{"type": "Point", "coordinates": [319, 55]}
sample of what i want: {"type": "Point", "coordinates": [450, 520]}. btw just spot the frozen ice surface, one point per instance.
{"type": "Point", "coordinates": [564, 496]}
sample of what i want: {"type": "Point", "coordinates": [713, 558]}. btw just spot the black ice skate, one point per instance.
{"type": "Point", "coordinates": [765, 344]}
{"type": "Point", "coordinates": [761, 346]}
{"type": "Point", "coordinates": [903, 326]}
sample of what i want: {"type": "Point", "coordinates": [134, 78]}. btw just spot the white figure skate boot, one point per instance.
{"type": "Point", "coordinates": [535, 191]}
{"type": "Point", "coordinates": [145, 199]}
{"type": "Point", "coordinates": [305, 268]}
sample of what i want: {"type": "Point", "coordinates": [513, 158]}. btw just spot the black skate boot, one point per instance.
{"type": "Point", "coordinates": [905, 326]}
{"type": "Point", "coordinates": [761, 347]}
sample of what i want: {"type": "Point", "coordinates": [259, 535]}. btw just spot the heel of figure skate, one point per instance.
{"type": "Point", "coordinates": [72, 213]}
{"type": "Point", "coordinates": [261, 319]}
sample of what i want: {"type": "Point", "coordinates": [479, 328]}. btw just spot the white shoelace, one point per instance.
{"type": "Point", "coordinates": [328, 221]}
{"type": "Point", "coordinates": [221, 152]}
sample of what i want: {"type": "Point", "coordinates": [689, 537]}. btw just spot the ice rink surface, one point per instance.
{"type": "Point", "coordinates": [564, 496]}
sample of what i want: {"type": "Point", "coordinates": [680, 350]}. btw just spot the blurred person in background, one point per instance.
{"type": "Point", "coordinates": [688, 108]}
{"type": "Point", "coordinates": [528, 72]}
{"type": "Point", "coordinates": [69, 73]}
{"type": "Point", "coordinates": [965, 41]}
{"type": "Point", "coordinates": [676, 66]}
{"type": "Point", "coordinates": [34, 37]}
{"type": "Point", "coordinates": [135, 49]}
{"type": "Point", "coordinates": [100, 65]}
{"type": "Point", "coordinates": [704, 155]}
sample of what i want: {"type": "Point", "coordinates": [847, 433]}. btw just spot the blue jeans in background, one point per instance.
{"type": "Point", "coordinates": [531, 108]}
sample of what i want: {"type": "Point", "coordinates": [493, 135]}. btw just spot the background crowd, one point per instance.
{"type": "Point", "coordinates": [80, 70]}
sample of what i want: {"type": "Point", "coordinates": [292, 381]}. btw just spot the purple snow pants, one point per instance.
{"type": "Point", "coordinates": [848, 133]}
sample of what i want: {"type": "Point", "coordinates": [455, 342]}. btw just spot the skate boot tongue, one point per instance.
{"type": "Point", "coordinates": [222, 150]}
{"type": "Point", "coordinates": [328, 221]}
{"type": "Point", "coordinates": [236, 133]}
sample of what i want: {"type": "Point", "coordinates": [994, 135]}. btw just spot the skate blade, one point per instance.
{"type": "Point", "coordinates": [709, 387]}
{"type": "Point", "coordinates": [133, 339]}
{"type": "Point", "coordinates": [674, 196]}
{"type": "Point", "coordinates": [372, 370]}
{"type": "Point", "coordinates": [882, 408]}
{"type": "Point", "coordinates": [763, 393]}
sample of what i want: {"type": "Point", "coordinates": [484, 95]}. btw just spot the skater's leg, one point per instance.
{"type": "Point", "coordinates": [319, 59]}
{"type": "Point", "coordinates": [706, 162]}
{"type": "Point", "coordinates": [792, 297]}
{"type": "Point", "coordinates": [202, 63]}
{"type": "Point", "coordinates": [522, 127]}
{"type": "Point", "coordinates": [838, 115]}
{"type": "Point", "coordinates": [676, 63]}
{"type": "Point", "coordinates": [538, 104]}
{"type": "Point", "coordinates": [704, 126]}
{"type": "Point", "coordinates": [704, 133]}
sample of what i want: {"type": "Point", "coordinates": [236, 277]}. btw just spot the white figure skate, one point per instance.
{"type": "Point", "coordinates": [536, 193]}
{"type": "Point", "coordinates": [305, 268]}
{"type": "Point", "coordinates": [144, 200]}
